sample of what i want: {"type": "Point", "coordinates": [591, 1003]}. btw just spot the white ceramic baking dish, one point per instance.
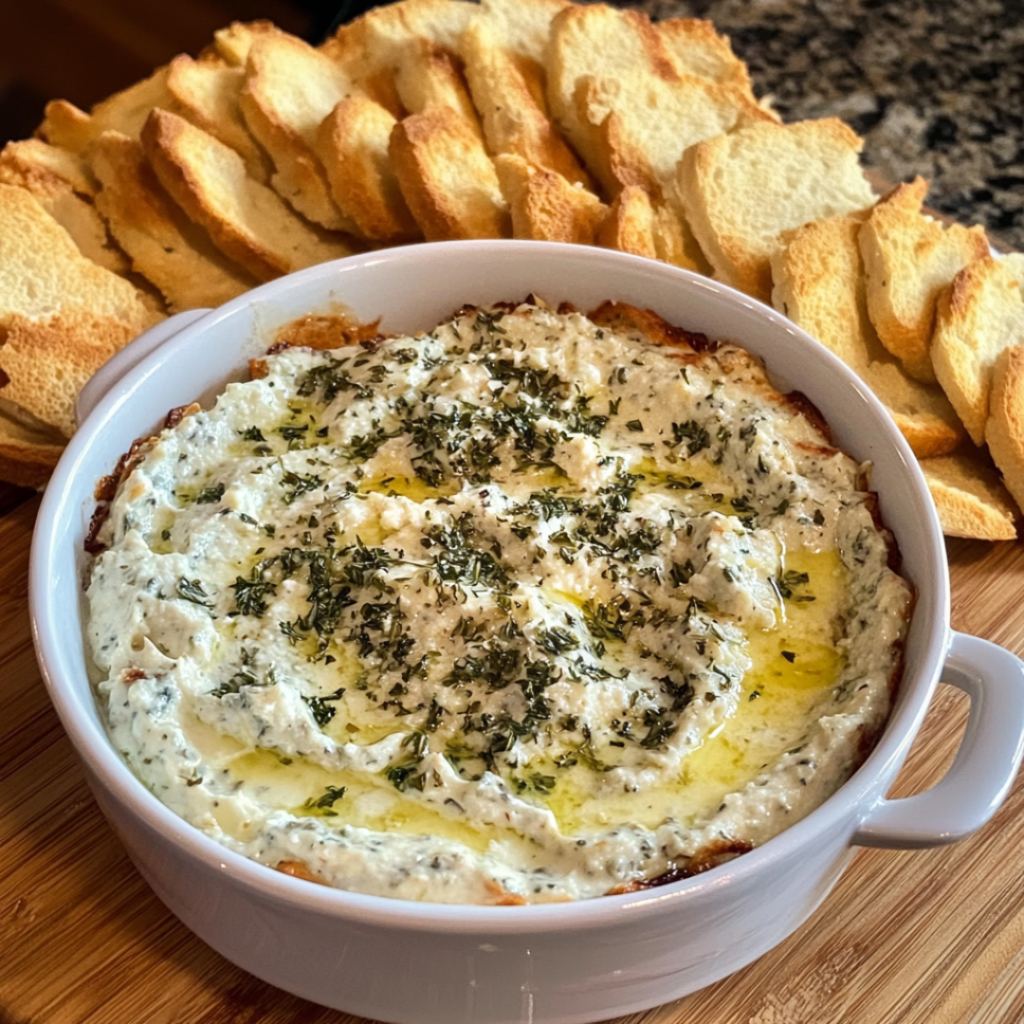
{"type": "Point", "coordinates": [434, 964]}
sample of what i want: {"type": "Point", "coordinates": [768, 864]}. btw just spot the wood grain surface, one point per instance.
{"type": "Point", "coordinates": [907, 937]}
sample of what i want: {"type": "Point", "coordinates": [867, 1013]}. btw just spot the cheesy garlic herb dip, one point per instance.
{"type": "Point", "coordinates": [532, 606]}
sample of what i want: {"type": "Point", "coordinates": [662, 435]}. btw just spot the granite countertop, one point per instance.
{"type": "Point", "coordinates": [936, 88]}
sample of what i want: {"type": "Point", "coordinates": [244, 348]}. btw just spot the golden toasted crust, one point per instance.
{"type": "Point", "coordinates": [47, 361]}
{"type": "Point", "coordinates": [1004, 431]}
{"type": "Point", "coordinates": [232, 43]}
{"type": "Point", "coordinates": [247, 221]}
{"type": "Point", "coordinates": [508, 90]}
{"type": "Point", "coordinates": [42, 272]}
{"type": "Point", "coordinates": [447, 178]}
{"type": "Point", "coordinates": [629, 225]}
{"type": "Point", "coordinates": [353, 145]}
{"type": "Point", "coordinates": [908, 259]}
{"type": "Point", "coordinates": [377, 42]}
{"type": "Point", "coordinates": [66, 126]}
{"type": "Point", "coordinates": [546, 206]}
{"type": "Point", "coordinates": [969, 497]}
{"type": "Point", "coordinates": [206, 93]}
{"type": "Point", "coordinates": [289, 89]}
{"type": "Point", "coordinates": [61, 182]}
{"type": "Point", "coordinates": [977, 316]}
{"type": "Point", "coordinates": [741, 191]}
{"type": "Point", "coordinates": [165, 246]}
{"type": "Point", "coordinates": [626, 104]}
{"type": "Point", "coordinates": [819, 285]}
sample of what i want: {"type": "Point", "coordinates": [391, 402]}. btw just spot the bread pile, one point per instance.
{"type": "Point", "coordinates": [543, 119]}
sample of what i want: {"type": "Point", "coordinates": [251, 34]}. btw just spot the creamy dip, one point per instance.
{"type": "Point", "coordinates": [532, 606]}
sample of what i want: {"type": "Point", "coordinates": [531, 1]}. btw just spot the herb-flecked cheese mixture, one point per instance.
{"type": "Point", "coordinates": [524, 608]}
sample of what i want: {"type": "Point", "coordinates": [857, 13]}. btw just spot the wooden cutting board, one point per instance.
{"type": "Point", "coordinates": [907, 937]}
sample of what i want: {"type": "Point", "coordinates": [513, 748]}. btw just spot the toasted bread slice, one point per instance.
{"type": "Point", "coordinates": [629, 225]}
{"type": "Point", "coordinates": [352, 143]}
{"type": "Point", "coordinates": [447, 178]}
{"type": "Point", "coordinates": [42, 273]}
{"type": "Point", "coordinates": [66, 127]}
{"type": "Point", "coordinates": [908, 259]}
{"type": "Point", "coordinates": [247, 221]}
{"type": "Point", "coordinates": [697, 48]}
{"type": "Point", "coordinates": [377, 41]}
{"type": "Point", "coordinates": [819, 285]}
{"type": "Point", "coordinates": [165, 246]}
{"type": "Point", "coordinates": [523, 26]}
{"type": "Point", "coordinates": [232, 43]}
{"type": "Point", "coordinates": [970, 498]}
{"type": "Point", "coordinates": [977, 316]}
{"type": "Point", "coordinates": [428, 77]}
{"type": "Point", "coordinates": [289, 89]}
{"type": "Point", "coordinates": [741, 191]}
{"type": "Point", "coordinates": [509, 91]}
{"type": "Point", "coordinates": [206, 93]}
{"type": "Point", "coordinates": [1004, 431]}
{"type": "Point", "coordinates": [61, 315]}
{"type": "Point", "coordinates": [47, 361]}
{"type": "Point", "coordinates": [62, 183]}
{"type": "Point", "coordinates": [625, 104]}
{"type": "Point", "coordinates": [546, 206]}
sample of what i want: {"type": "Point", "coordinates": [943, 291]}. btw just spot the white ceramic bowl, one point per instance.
{"type": "Point", "coordinates": [424, 963]}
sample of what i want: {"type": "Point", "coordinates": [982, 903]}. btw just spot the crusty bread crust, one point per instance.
{"type": "Point", "coordinates": [207, 94]}
{"type": "Point", "coordinates": [247, 221]}
{"type": "Point", "coordinates": [547, 207]}
{"type": "Point", "coordinates": [61, 182]}
{"type": "Point", "coordinates": [629, 225]}
{"type": "Point", "coordinates": [509, 91]}
{"type": "Point", "coordinates": [289, 89]}
{"type": "Point", "coordinates": [741, 191]}
{"type": "Point", "coordinates": [632, 112]}
{"type": "Point", "coordinates": [908, 259]}
{"type": "Point", "coordinates": [353, 144]}
{"type": "Point", "coordinates": [1004, 431]}
{"type": "Point", "coordinates": [447, 177]}
{"type": "Point", "coordinates": [819, 285]}
{"type": "Point", "coordinates": [977, 316]}
{"type": "Point", "coordinates": [170, 250]}
{"type": "Point", "coordinates": [970, 498]}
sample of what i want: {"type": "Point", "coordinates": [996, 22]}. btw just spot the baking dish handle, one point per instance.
{"type": "Point", "coordinates": [127, 358]}
{"type": "Point", "coordinates": [985, 765]}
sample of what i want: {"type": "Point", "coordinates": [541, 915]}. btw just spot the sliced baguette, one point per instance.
{"type": "Point", "coordinates": [352, 143]}
{"type": "Point", "coordinates": [447, 178]}
{"type": "Point", "coordinates": [247, 221]}
{"type": "Point", "coordinates": [166, 247]}
{"type": "Point", "coordinates": [819, 285]}
{"type": "Point", "coordinates": [970, 498]}
{"type": "Point", "coordinates": [741, 191]}
{"type": "Point", "coordinates": [631, 111]}
{"type": "Point", "coordinates": [60, 180]}
{"type": "Point", "coordinates": [61, 315]}
{"type": "Point", "coordinates": [546, 206]}
{"type": "Point", "coordinates": [207, 94]}
{"type": "Point", "coordinates": [908, 259]}
{"type": "Point", "coordinates": [977, 316]}
{"type": "Point", "coordinates": [509, 91]}
{"type": "Point", "coordinates": [629, 225]}
{"type": "Point", "coordinates": [1004, 431]}
{"type": "Point", "coordinates": [289, 89]}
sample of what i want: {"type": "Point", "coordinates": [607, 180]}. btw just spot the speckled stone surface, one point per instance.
{"type": "Point", "coordinates": [935, 88]}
